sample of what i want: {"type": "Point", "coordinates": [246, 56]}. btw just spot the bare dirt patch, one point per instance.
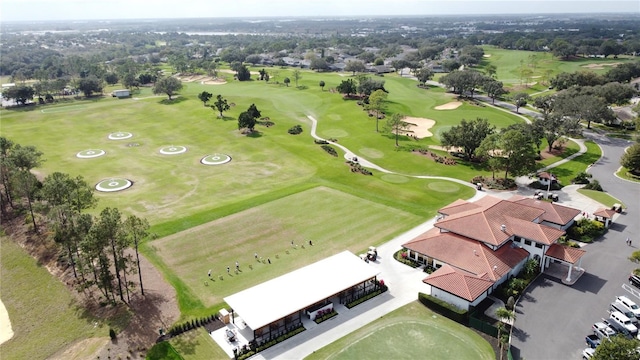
{"type": "Point", "coordinates": [419, 127]}
{"type": "Point", "coordinates": [158, 309]}
{"type": "Point", "coordinates": [449, 106]}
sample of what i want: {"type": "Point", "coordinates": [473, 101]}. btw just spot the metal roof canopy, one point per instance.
{"type": "Point", "coordinates": [275, 299]}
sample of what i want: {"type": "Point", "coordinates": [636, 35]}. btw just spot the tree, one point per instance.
{"type": "Point", "coordinates": [90, 85]}
{"type": "Point", "coordinates": [617, 347]}
{"type": "Point", "coordinates": [423, 75]}
{"type": "Point", "coordinates": [319, 64]}
{"type": "Point", "coordinates": [111, 78]}
{"type": "Point", "coordinates": [494, 89]}
{"type": "Point", "coordinates": [27, 185]}
{"type": "Point", "coordinates": [631, 158]}
{"type": "Point", "coordinates": [108, 228]}
{"type": "Point", "coordinates": [245, 120]}
{"type": "Point", "coordinates": [21, 93]}
{"type": "Point", "coordinates": [355, 66]}
{"type": "Point", "coordinates": [584, 107]}
{"type": "Point", "coordinates": [377, 104]}
{"type": "Point", "coordinates": [516, 155]}
{"type": "Point", "coordinates": [66, 198]}
{"type": "Point", "coordinates": [137, 229]}
{"type": "Point", "coordinates": [491, 70]}
{"type": "Point", "coordinates": [322, 84]}
{"type": "Point", "coordinates": [367, 85]}
{"type": "Point", "coordinates": [553, 126]}
{"type": "Point", "coordinates": [347, 87]}
{"type": "Point", "coordinates": [221, 105]}
{"type": "Point", "coordinates": [520, 99]}
{"type": "Point", "coordinates": [205, 97]}
{"type": "Point", "coordinates": [253, 59]}
{"type": "Point", "coordinates": [243, 73]}
{"type": "Point", "coordinates": [286, 81]}
{"type": "Point", "coordinates": [504, 315]}
{"type": "Point", "coordinates": [468, 135]}
{"type": "Point", "coordinates": [463, 81]}
{"type": "Point", "coordinates": [254, 112]}
{"type": "Point", "coordinates": [167, 85]}
{"type": "Point", "coordinates": [563, 49]}
{"type": "Point", "coordinates": [297, 75]}
{"type": "Point", "coordinates": [396, 125]}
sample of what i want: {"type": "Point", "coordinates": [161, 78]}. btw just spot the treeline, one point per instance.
{"type": "Point", "coordinates": [93, 247]}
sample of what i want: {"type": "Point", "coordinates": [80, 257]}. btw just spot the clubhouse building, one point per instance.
{"type": "Point", "coordinates": [476, 246]}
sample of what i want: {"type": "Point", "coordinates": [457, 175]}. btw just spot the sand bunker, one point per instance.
{"type": "Point", "coordinates": [449, 106]}
{"type": "Point", "coordinates": [6, 332]}
{"type": "Point", "coordinates": [600, 66]}
{"type": "Point", "coordinates": [419, 127]}
{"type": "Point", "coordinates": [486, 55]}
{"type": "Point", "coordinates": [202, 79]}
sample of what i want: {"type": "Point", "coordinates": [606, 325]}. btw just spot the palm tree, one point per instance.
{"type": "Point", "coordinates": [505, 316]}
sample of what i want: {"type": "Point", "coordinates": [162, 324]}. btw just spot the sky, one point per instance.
{"type": "Point", "coordinates": [43, 10]}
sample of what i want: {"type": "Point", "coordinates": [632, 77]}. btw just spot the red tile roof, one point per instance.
{"type": "Point", "coordinates": [484, 224]}
{"type": "Point", "coordinates": [467, 254]}
{"type": "Point", "coordinates": [539, 233]}
{"type": "Point", "coordinates": [553, 213]}
{"type": "Point", "coordinates": [565, 253]}
{"type": "Point", "coordinates": [458, 282]}
{"type": "Point", "coordinates": [605, 213]}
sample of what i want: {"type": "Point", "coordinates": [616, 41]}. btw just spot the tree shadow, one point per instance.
{"type": "Point", "coordinates": [175, 100]}
{"type": "Point", "coordinates": [254, 134]}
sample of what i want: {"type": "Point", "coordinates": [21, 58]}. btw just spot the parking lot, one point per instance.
{"type": "Point", "coordinates": [552, 319]}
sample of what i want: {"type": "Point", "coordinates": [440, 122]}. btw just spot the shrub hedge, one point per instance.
{"type": "Point", "coordinates": [444, 308]}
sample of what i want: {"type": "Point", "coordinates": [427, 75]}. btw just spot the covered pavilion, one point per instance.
{"type": "Point", "coordinates": [277, 306]}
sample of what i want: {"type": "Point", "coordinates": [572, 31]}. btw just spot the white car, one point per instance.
{"type": "Point", "coordinates": [603, 331]}
{"type": "Point", "coordinates": [629, 305]}
{"type": "Point", "coordinates": [588, 353]}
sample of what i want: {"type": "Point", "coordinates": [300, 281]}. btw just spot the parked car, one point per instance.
{"type": "Point", "coordinates": [592, 341]}
{"type": "Point", "coordinates": [629, 305]}
{"type": "Point", "coordinates": [603, 330]}
{"type": "Point", "coordinates": [617, 306]}
{"type": "Point", "coordinates": [634, 280]}
{"type": "Point", "coordinates": [588, 353]}
{"type": "Point", "coordinates": [623, 324]}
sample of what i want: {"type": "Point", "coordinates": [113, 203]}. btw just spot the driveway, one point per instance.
{"type": "Point", "coordinates": [552, 319]}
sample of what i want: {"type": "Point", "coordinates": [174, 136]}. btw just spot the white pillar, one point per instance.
{"type": "Point", "coordinates": [569, 273]}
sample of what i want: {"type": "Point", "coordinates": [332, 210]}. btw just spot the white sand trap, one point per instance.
{"type": "Point", "coordinates": [486, 55]}
{"type": "Point", "coordinates": [6, 332]}
{"type": "Point", "coordinates": [419, 126]}
{"type": "Point", "coordinates": [449, 106]}
{"type": "Point", "coordinates": [442, 148]}
{"type": "Point", "coordinates": [214, 82]}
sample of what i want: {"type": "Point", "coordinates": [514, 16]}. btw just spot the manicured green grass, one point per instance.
{"type": "Point", "coordinates": [197, 345]}
{"type": "Point", "coordinates": [333, 220]}
{"type": "Point", "coordinates": [544, 65]}
{"type": "Point", "coordinates": [44, 316]}
{"type": "Point", "coordinates": [163, 351]}
{"type": "Point", "coordinates": [601, 197]}
{"type": "Point", "coordinates": [566, 172]}
{"type": "Point", "coordinates": [570, 148]}
{"type": "Point", "coordinates": [625, 174]}
{"type": "Point", "coordinates": [411, 332]}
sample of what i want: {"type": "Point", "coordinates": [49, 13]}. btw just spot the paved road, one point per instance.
{"type": "Point", "coordinates": [552, 318]}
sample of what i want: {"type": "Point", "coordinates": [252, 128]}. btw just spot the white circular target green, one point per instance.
{"type": "Point", "coordinates": [173, 149]}
{"type": "Point", "coordinates": [216, 159]}
{"type": "Point", "coordinates": [90, 153]}
{"type": "Point", "coordinates": [120, 135]}
{"type": "Point", "coordinates": [113, 184]}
